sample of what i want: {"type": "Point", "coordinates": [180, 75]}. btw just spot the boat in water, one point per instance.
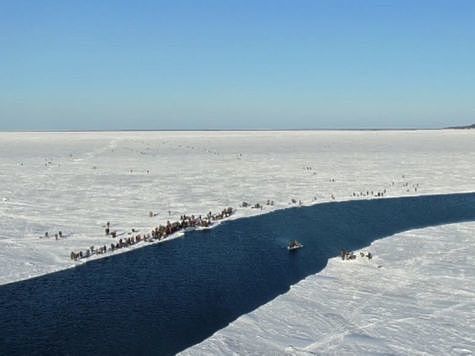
{"type": "Point", "coordinates": [294, 245]}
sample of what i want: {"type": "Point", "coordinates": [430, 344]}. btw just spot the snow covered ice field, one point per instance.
{"type": "Point", "coordinates": [76, 182]}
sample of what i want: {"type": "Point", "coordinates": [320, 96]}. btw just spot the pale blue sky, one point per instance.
{"type": "Point", "coordinates": [236, 64]}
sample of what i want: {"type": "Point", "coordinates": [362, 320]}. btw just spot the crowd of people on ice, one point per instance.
{"type": "Point", "coordinates": [161, 232]}
{"type": "Point", "coordinates": [186, 223]}
{"type": "Point", "coordinates": [349, 255]}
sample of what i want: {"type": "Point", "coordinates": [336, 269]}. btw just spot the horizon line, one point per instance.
{"type": "Point", "coordinates": [231, 130]}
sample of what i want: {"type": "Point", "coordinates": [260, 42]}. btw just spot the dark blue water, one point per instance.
{"type": "Point", "coordinates": [167, 297]}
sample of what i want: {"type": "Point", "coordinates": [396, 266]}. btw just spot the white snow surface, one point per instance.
{"type": "Point", "coordinates": [76, 182]}
{"type": "Point", "coordinates": [415, 297]}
